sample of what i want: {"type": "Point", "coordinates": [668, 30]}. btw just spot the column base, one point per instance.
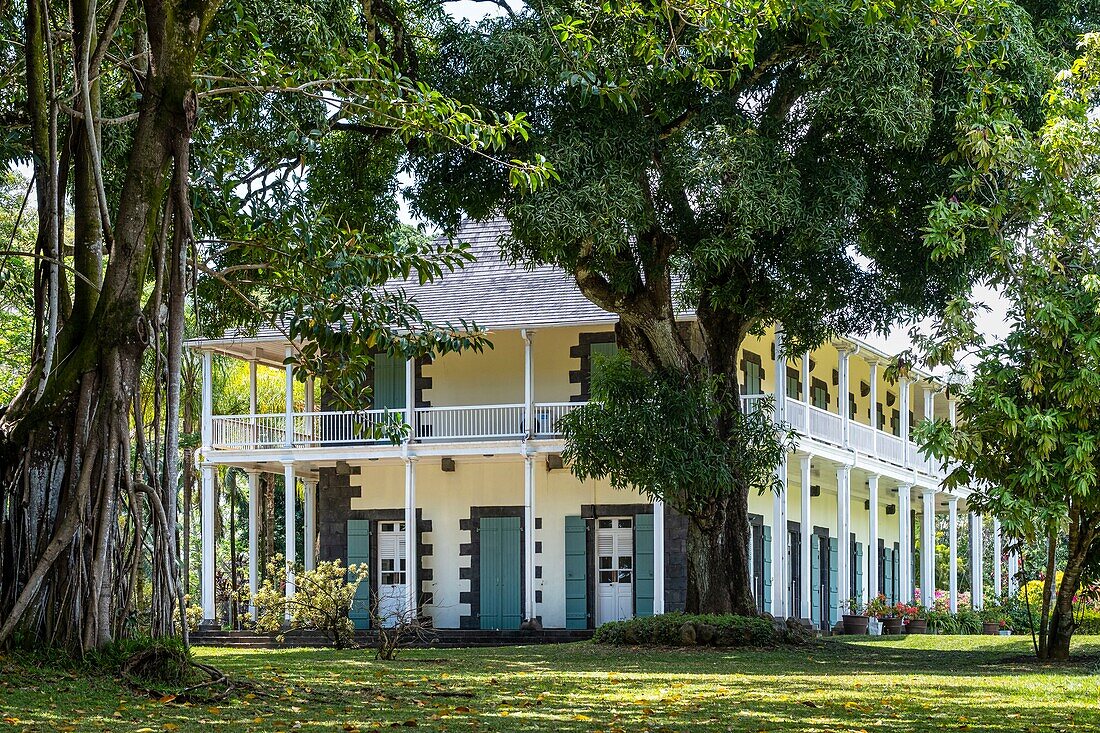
{"type": "Point", "coordinates": [209, 624]}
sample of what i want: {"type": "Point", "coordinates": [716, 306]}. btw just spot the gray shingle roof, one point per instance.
{"type": "Point", "coordinates": [497, 294]}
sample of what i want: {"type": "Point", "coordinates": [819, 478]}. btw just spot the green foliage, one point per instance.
{"type": "Point", "coordinates": [18, 226]}
{"type": "Point", "coordinates": [656, 433]}
{"type": "Point", "coordinates": [708, 630]}
{"type": "Point", "coordinates": [322, 600]}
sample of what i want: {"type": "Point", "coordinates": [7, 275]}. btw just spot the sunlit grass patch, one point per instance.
{"type": "Point", "coordinates": [906, 684]}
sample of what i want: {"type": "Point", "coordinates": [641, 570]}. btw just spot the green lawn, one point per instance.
{"type": "Point", "coordinates": [911, 684]}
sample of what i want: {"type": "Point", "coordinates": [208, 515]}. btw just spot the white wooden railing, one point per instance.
{"type": "Point", "coordinates": [483, 421]}
{"type": "Point", "coordinates": [547, 415]}
{"type": "Point", "coordinates": [504, 422]}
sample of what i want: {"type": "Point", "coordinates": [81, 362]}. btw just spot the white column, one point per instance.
{"type": "Point", "coordinates": [842, 399]}
{"type": "Point", "coordinates": [953, 549]}
{"type": "Point", "coordinates": [309, 491]}
{"type": "Point", "coordinates": [207, 424]}
{"type": "Point", "coordinates": [977, 587]}
{"type": "Point", "coordinates": [209, 508]}
{"type": "Point", "coordinates": [410, 397]}
{"type": "Point", "coordinates": [311, 421]}
{"type": "Point", "coordinates": [528, 386]}
{"type": "Point", "coordinates": [780, 365]}
{"type": "Point", "coordinates": [289, 440]}
{"type": "Point", "coordinates": [411, 576]}
{"type": "Point", "coordinates": [252, 386]}
{"type": "Point", "coordinates": [844, 536]}
{"type": "Point", "coordinates": [928, 548]}
{"type": "Point", "coordinates": [1013, 573]}
{"type": "Point", "coordinates": [253, 537]}
{"type": "Point", "coordinates": [658, 557]}
{"type": "Point", "coordinates": [805, 529]}
{"type": "Point", "coordinates": [252, 403]}
{"type": "Point", "coordinates": [780, 572]}
{"type": "Point", "coordinates": [997, 553]}
{"type": "Point", "coordinates": [290, 498]}
{"type": "Point", "coordinates": [806, 398]}
{"type": "Point", "coordinates": [929, 402]}
{"type": "Point", "coordinates": [951, 412]}
{"type": "Point", "coordinates": [903, 399]}
{"type": "Point", "coordinates": [873, 366]}
{"type": "Point", "coordinates": [905, 545]}
{"type": "Point", "coordinates": [529, 609]}
{"type": "Point", "coordinates": [872, 543]}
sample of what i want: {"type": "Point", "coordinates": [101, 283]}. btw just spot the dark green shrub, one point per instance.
{"type": "Point", "coordinates": [1088, 620]}
{"type": "Point", "coordinates": [681, 629]}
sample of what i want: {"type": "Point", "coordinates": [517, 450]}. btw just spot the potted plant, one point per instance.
{"type": "Point", "coordinates": [856, 620]}
{"type": "Point", "coordinates": [993, 619]}
{"type": "Point", "coordinates": [916, 619]}
{"type": "Point", "coordinates": [888, 614]}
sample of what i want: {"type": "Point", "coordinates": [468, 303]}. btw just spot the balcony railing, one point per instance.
{"type": "Point", "coordinates": [507, 422]}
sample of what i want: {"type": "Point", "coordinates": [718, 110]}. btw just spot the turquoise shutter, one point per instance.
{"type": "Point", "coordinates": [643, 565]}
{"type": "Point", "coordinates": [815, 578]}
{"type": "Point", "coordinates": [576, 573]}
{"type": "Point", "coordinates": [358, 554]}
{"type": "Point", "coordinates": [834, 561]}
{"type": "Point", "coordinates": [500, 573]}
{"type": "Point", "coordinates": [389, 382]}
{"type": "Point", "coordinates": [767, 568]}
{"type": "Point", "coordinates": [858, 591]}
{"type": "Point", "coordinates": [888, 575]}
{"type": "Point", "coordinates": [603, 349]}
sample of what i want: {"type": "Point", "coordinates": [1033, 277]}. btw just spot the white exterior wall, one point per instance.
{"type": "Point", "coordinates": [445, 499]}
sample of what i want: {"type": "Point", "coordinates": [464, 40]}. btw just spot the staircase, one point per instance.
{"type": "Point", "coordinates": [428, 639]}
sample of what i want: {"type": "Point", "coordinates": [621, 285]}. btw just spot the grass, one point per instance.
{"type": "Point", "coordinates": [908, 684]}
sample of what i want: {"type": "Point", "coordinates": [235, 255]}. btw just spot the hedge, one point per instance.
{"type": "Point", "coordinates": [681, 629]}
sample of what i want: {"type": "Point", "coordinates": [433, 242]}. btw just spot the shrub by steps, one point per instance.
{"type": "Point", "coordinates": [681, 629]}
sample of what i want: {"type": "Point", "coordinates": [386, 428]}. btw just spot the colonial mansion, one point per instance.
{"type": "Point", "coordinates": [475, 522]}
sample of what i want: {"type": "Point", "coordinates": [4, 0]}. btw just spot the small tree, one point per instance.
{"type": "Point", "coordinates": [1028, 436]}
{"type": "Point", "coordinates": [322, 601]}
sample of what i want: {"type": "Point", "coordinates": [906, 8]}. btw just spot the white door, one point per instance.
{"type": "Point", "coordinates": [392, 592]}
{"type": "Point", "coordinates": [615, 569]}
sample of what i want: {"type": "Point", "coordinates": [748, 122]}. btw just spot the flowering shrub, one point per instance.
{"type": "Point", "coordinates": [321, 602]}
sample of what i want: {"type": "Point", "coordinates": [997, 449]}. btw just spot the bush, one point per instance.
{"type": "Point", "coordinates": [322, 601]}
{"type": "Point", "coordinates": [1088, 620]}
{"type": "Point", "coordinates": [681, 629]}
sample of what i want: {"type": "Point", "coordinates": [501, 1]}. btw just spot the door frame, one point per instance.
{"type": "Point", "coordinates": [472, 549]}
{"type": "Point", "coordinates": [794, 564]}
{"type": "Point", "coordinates": [595, 569]}
{"type": "Point", "coordinates": [423, 575]}
{"type": "Point", "coordinates": [590, 513]}
{"type": "Point", "coordinates": [756, 572]}
{"type": "Point", "coordinates": [824, 567]}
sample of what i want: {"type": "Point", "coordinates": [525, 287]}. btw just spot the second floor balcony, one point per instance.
{"type": "Point", "coordinates": [279, 431]}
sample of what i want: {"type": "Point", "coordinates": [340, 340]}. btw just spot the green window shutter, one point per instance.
{"type": "Point", "coordinates": [576, 573]}
{"type": "Point", "coordinates": [389, 382]}
{"type": "Point", "coordinates": [643, 565]}
{"type": "Point", "coordinates": [815, 578]}
{"type": "Point", "coordinates": [603, 349]}
{"type": "Point", "coordinates": [859, 572]}
{"type": "Point", "coordinates": [767, 568]}
{"type": "Point", "coordinates": [358, 554]}
{"type": "Point", "coordinates": [501, 606]}
{"type": "Point", "coordinates": [888, 575]}
{"type": "Point", "coordinates": [834, 588]}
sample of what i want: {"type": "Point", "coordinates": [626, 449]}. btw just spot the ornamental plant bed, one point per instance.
{"type": "Point", "coordinates": [687, 630]}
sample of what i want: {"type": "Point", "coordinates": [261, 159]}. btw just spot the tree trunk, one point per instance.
{"type": "Point", "coordinates": [67, 442]}
{"type": "Point", "coordinates": [719, 578]}
{"type": "Point", "coordinates": [1062, 622]}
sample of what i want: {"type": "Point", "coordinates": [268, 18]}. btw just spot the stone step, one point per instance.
{"type": "Point", "coordinates": [436, 639]}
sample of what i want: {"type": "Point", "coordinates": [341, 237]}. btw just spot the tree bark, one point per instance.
{"type": "Point", "coordinates": [1082, 533]}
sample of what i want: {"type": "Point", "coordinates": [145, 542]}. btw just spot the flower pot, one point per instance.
{"type": "Point", "coordinates": [991, 628]}
{"type": "Point", "coordinates": [916, 626]}
{"type": "Point", "coordinates": [874, 627]}
{"type": "Point", "coordinates": [891, 626]}
{"type": "Point", "coordinates": [855, 625]}
{"type": "Point", "coordinates": [1005, 632]}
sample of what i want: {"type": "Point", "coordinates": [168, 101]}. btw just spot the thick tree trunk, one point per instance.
{"type": "Point", "coordinates": [65, 443]}
{"type": "Point", "coordinates": [719, 579]}
{"type": "Point", "coordinates": [1062, 622]}
{"type": "Point", "coordinates": [718, 562]}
